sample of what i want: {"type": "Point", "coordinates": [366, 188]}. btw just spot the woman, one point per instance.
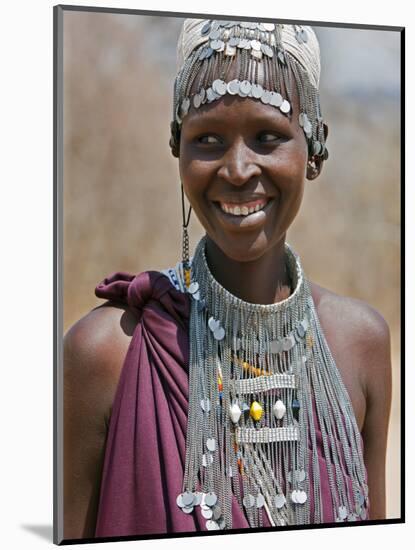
{"type": "Point", "coordinates": [230, 392]}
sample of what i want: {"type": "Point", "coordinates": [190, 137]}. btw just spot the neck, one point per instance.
{"type": "Point", "coordinates": [262, 281]}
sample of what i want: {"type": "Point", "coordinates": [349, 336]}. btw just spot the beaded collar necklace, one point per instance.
{"type": "Point", "coordinates": [260, 377]}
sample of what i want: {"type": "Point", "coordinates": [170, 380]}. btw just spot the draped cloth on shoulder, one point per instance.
{"type": "Point", "coordinates": [145, 447]}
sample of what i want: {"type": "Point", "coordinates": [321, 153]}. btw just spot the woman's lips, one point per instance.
{"type": "Point", "coordinates": [249, 221]}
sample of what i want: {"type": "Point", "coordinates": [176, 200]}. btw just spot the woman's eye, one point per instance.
{"type": "Point", "coordinates": [208, 139]}
{"type": "Point", "coordinates": [269, 138]}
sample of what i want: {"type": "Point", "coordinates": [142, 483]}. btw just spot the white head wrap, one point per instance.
{"type": "Point", "coordinates": [307, 55]}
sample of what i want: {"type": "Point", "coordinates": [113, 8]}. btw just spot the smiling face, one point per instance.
{"type": "Point", "coordinates": [238, 155]}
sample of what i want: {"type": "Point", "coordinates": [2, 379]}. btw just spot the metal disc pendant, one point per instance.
{"type": "Point", "coordinates": [206, 459]}
{"type": "Point", "coordinates": [212, 525]}
{"type": "Point", "coordinates": [220, 87]}
{"type": "Point", "coordinates": [216, 45]}
{"type": "Point", "coordinates": [268, 51]}
{"type": "Point", "coordinates": [276, 346]}
{"type": "Point", "coordinates": [266, 97]}
{"type": "Point", "coordinates": [234, 41]}
{"type": "Point", "coordinates": [279, 501]}
{"type": "Point", "coordinates": [179, 500]}
{"type": "Point", "coordinates": [198, 498]}
{"type": "Point", "coordinates": [288, 342]}
{"type": "Point", "coordinates": [211, 444]}
{"type": "Point", "coordinates": [213, 324]}
{"type": "Point", "coordinates": [215, 34]}
{"type": "Point", "coordinates": [257, 90]}
{"type": "Point", "coordinates": [249, 501]}
{"type": "Point", "coordinates": [185, 106]}
{"type": "Point", "coordinates": [205, 29]}
{"type": "Point", "coordinates": [255, 45]}
{"type": "Point", "coordinates": [301, 497]}
{"type": "Point", "coordinates": [187, 498]}
{"type": "Point", "coordinates": [210, 95]}
{"type": "Point", "coordinates": [219, 333]}
{"type": "Point", "coordinates": [343, 512]}
{"type": "Point", "coordinates": [187, 509]}
{"type": "Point", "coordinates": [285, 107]}
{"type": "Point", "coordinates": [268, 26]}
{"type": "Point", "coordinates": [316, 148]}
{"type": "Point", "coordinates": [233, 87]}
{"type": "Point", "coordinates": [276, 99]}
{"type": "Point", "coordinates": [207, 513]}
{"type": "Point", "coordinates": [260, 501]}
{"type": "Point", "coordinates": [245, 86]}
{"type": "Point", "coordinates": [197, 101]}
{"type": "Point", "coordinates": [294, 495]}
{"type": "Point", "coordinates": [211, 499]}
{"type": "Point", "coordinates": [300, 475]}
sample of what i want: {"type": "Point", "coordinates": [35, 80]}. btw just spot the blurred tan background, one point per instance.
{"type": "Point", "coordinates": [122, 209]}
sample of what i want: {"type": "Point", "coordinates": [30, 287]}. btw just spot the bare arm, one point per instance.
{"type": "Point", "coordinates": [94, 349]}
{"type": "Point", "coordinates": [376, 357]}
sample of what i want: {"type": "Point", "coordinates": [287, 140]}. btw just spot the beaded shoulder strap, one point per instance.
{"type": "Point", "coordinates": [176, 276]}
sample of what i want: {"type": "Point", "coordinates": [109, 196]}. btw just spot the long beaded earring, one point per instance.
{"type": "Point", "coordinates": [185, 241]}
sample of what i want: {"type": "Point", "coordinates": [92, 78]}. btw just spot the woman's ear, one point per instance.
{"type": "Point", "coordinates": [315, 162]}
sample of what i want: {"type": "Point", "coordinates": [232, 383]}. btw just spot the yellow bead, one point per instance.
{"type": "Point", "coordinates": [187, 277]}
{"type": "Point", "coordinates": [256, 411]}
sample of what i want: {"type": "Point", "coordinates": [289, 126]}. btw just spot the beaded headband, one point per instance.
{"type": "Point", "coordinates": [267, 57]}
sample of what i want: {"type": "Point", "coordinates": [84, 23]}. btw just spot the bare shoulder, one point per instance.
{"type": "Point", "coordinates": [350, 314]}
{"type": "Point", "coordinates": [356, 330]}
{"type": "Point", "coordinates": [95, 347]}
{"type": "Point", "coordinates": [93, 354]}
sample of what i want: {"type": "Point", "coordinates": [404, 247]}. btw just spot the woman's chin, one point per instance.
{"type": "Point", "coordinates": [242, 248]}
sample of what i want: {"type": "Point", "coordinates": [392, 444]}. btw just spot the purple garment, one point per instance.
{"type": "Point", "coordinates": [145, 448]}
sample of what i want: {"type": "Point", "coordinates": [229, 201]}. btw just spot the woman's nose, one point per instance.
{"type": "Point", "coordinates": [239, 164]}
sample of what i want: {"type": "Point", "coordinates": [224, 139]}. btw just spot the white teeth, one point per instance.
{"type": "Point", "coordinates": [241, 211]}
